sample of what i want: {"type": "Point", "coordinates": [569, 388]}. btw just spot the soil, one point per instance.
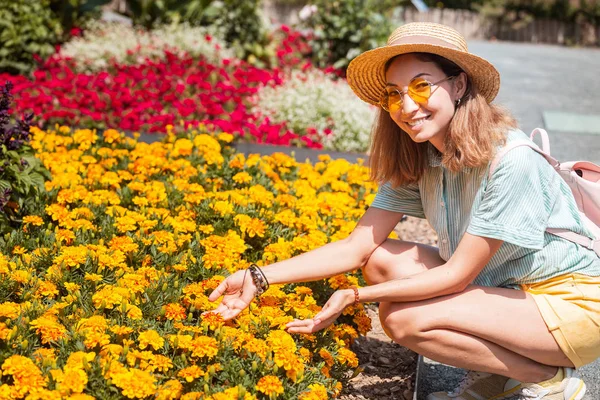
{"type": "Point", "coordinates": [388, 369]}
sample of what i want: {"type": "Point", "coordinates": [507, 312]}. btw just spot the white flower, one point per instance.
{"type": "Point", "coordinates": [104, 42]}
{"type": "Point", "coordinates": [314, 100]}
{"type": "Point", "coordinates": [307, 11]}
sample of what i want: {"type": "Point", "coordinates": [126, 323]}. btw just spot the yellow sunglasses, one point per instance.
{"type": "Point", "coordinates": [419, 90]}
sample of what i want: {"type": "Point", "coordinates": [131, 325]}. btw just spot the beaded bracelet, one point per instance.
{"type": "Point", "coordinates": [356, 297]}
{"type": "Point", "coordinates": [259, 279]}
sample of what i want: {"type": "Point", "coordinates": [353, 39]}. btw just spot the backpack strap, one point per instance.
{"type": "Point", "coordinates": [545, 151]}
{"type": "Point", "coordinates": [590, 243]}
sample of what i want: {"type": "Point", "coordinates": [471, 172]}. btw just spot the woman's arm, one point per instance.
{"type": "Point", "coordinates": [471, 256]}
{"type": "Point", "coordinates": [238, 290]}
{"type": "Point", "coordinates": [338, 257]}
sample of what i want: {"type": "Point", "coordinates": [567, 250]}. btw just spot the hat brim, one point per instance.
{"type": "Point", "coordinates": [366, 73]}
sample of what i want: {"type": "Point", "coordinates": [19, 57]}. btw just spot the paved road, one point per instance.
{"type": "Point", "coordinates": [538, 78]}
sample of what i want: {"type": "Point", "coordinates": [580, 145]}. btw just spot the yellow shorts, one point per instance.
{"type": "Point", "coordinates": [570, 306]}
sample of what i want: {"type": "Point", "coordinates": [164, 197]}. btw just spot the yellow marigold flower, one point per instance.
{"type": "Point", "coordinates": [80, 396]}
{"type": "Point", "coordinates": [71, 287]}
{"type": "Point", "coordinates": [223, 208]}
{"type": "Point", "coordinates": [18, 250]}
{"type": "Point", "coordinates": [33, 220]}
{"type": "Point", "coordinates": [4, 331]}
{"type": "Point", "coordinates": [134, 312]}
{"type": "Point", "coordinates": [269, 385]}
{"type": "Point", "coordinates": [125, 224]}
{"type": "Point", "coordinates": [9, 310]}
{"type": "Point", "coordinates": [20, 276]}
{"type": "Point", "coordinates": [204, 346]}
{"type": "Point", "coordinates": [194, 396]}
{"type": "Point", "coordinates": [121, 330]}
{"type": "Point", "coordinates": [160, 363]}
{"type": "Point", "coordinates": [48, 327]}
{"type": "Point", "coordinates": [225, 137]}
{"type": "Point", "coordinates": [93, 339]}
{"type": "Point", "coordinates": [191, 373]}
{"type": "Point", "coordinates": [124, 244]}
{"type": "Point", "coordinates": [212, 320]}
{"type": "Point", "coordinates": [4, 264]}
{"type": "Point", "coordinates": [346, 356]}
{"type": "Point", "coordinates": [111, 351]}
{"type": "Point", "coordinates": [281, 341]}
{"type": "Point", "coordinates": [317, 392]}
{"type": "Point", "coordinates": [150, 338]}
{"type": "Point", "coordinates": [65, 236]}
{"type": "Point", "coordinates": [327, 357]}
{"type": "Point", "coordinates": [46, 289]}
{"type": "Point", "coordinates": [111, 136]}
{"type": "Point", "coordinates": [182, 147]}
{"type": "Point", "coordinates": [110, 296]}
{"type": "Point", "coordinates": [73, 380]}
{"type": "Point", "coordinates": [242, 177]}
{"type": "Point", "coordinates": [92, 277]}
{"type": "Point", "coordinates": [175, 312]}
{"type": "Point", "coordinates": [26, 375]}
{"type": "Point", "coordinates": [135, 383]}
{"type": "Point", "coordinates": [206, 229]}
{"type": "Point", "coordinates": [72, 257]}
{"type": "Point", "coordinates": [170, 390]}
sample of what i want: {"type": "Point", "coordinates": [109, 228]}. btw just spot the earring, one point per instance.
{"type": "Point", "coordinates": [457, 103]}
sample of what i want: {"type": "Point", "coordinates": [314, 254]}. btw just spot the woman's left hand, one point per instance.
{"type": "Point", "coordinates": [331, 310]}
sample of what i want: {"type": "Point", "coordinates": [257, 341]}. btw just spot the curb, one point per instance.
{"type": "Point", "coordinates": [299, 153]}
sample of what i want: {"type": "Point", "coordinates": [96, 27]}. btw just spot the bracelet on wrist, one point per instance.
{"type": "Point", "coordinates": [356, 296]}
{"type": "Point", "coordinates": [259, 279]}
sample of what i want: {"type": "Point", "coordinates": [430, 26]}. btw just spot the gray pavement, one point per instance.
{"type": "Point", "coordinates": [544, 78]}
{"type": "Point", "coordinates": [436, 377]}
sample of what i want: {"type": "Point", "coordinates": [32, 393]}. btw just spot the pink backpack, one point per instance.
{"type": "Point", "coordinates": [583, 177]}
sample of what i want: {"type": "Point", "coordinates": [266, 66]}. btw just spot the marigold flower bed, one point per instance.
{"type": "Point", "coordinates": [102, 291]}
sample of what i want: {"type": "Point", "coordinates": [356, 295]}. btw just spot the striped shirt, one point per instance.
{"type": "Point", "coordinates": [523, 197]}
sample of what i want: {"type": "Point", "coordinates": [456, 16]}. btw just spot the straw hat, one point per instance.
{"type": "Point", "coordinates": [366, 74]}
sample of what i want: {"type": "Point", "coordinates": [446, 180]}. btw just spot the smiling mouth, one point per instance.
{"type": "Point", "coordinates": [417, 122]}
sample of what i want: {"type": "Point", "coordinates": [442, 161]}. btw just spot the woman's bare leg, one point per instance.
{"type": "Point", "coordinates": [485, 329]}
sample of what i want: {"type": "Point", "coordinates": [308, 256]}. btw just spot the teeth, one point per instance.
{"type": "Point", "coordinates": [417, 122]}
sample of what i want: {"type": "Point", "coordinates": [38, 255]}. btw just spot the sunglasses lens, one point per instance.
{"type": "Point", "coordinates": [391, 101]}
{"type": "Point", "coordinates": [419, 90]}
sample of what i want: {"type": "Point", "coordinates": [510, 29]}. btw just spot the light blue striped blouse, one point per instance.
{"type": "Point", "coordinates": [523, 197]}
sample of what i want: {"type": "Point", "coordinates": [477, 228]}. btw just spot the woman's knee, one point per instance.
{"type": "Point", "coordinates": [396, 259]}
{"type": "Point", "coordinates": [400, 322]}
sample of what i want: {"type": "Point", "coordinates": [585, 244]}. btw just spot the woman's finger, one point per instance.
{"type": "Point", "coordinates": [219, 291]}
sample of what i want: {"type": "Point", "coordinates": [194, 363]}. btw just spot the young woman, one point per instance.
{"type": "Point", "coordinates": [501, 297]}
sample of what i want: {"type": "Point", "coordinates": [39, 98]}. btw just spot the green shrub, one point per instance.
{"type": "Point", "coordinates": [76, 13]}
{"type": "Point", "coordinates": [22, 175]}
{"type": "Point", "coordinates": [344, 29]}
{"type": "Point", "coordinates": [28, 29]}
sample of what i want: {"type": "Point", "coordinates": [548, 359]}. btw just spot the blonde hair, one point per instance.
{"type": "Point", "coordinates": [476, 129]}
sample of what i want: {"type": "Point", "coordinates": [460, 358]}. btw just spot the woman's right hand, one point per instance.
{"type": "Point", "coordinates": [237, 290]}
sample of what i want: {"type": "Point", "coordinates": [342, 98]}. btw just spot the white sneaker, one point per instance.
{"type": "Point", "coordinates": [571, 387]}
{"type": "Point", "coordinates": [480, 386]}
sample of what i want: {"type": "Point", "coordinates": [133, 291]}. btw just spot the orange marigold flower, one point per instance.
{"type": "Point", "coordinates": [191, 373]}
{"type": "Point", "coordinates": [33, 220]}
{"type": "Point", "coordinates": [269, 385]}
{"type": "Point", "coordinates": [175, 312]}
{"type": "Point", "coordinates": [151, 338]}
{"type": "Point", "coordinates": [317, 392]}
{"type": "Point", "coordinates": [170, 390]}
{"type": "Point", "coordinates": [204, 346]}
{"type": "Point", "coordinates": [135, 383]}
{"type": "Point", "coordinates": [212, 320]}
